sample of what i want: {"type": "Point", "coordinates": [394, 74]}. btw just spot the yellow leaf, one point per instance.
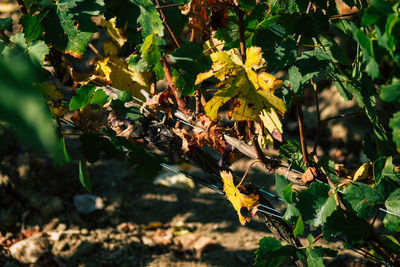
{"type": "Point", "coordinates": [364, 172]}
{"type": "Point", "coordinates": [115, 33]}
{"type": "Point", "coordinates": [115, 71]}
{"type": "Point", "coordinates": [247, 91]}
{"type": "Point", "coordinates": [110, 49]}
{"type": "Point", "coordinates": [239, 198]}
{"type": "Point", "coordinates": [271, 120]}
{"type": "Point", "coordinates": [50, 91]}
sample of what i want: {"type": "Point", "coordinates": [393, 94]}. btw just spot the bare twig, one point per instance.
{"type": "Point", "coordinates": [318, 119]}
{"type": "Point", "coordinates": [167, 6]}
{"type": "Point", "coordinates": [342, 116]}
{"type": "Point", "coordinates": [241, 34]}
{"type": "Point", "coordinates": [166, 24]}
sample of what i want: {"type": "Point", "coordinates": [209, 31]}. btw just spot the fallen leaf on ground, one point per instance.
{"type": "Point", "coordinates": [194, 242]}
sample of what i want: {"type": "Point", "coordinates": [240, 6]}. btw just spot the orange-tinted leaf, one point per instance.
{"type": "Point", "coordinates": [246, 205]}
{"type": "Point", "coordinates": [309, 175]}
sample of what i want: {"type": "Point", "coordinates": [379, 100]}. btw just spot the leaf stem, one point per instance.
{"type": "Point", "coordinates": [247, 171]}
{"type": "Point", "coordinates": [300, 119]}
{"type": "Point", "coordinates": [160, 9]}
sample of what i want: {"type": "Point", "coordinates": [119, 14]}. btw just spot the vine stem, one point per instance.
{"type": "Point", "coordinates": [300, 119]}
{"type": "Point", "coordinates": [314, 151]}
{"type": "Point", "coordinates": [247, 171]}
{"type": "Point", "coordinates": [160, 9]}
{"type": "Point", "coordinates": [343, 115]}
{"type": "Point", "coordinates": [241, 34]}
{"type": "Point", "coordinates": [177, 94]}
{"type": "Point", "coordinates": [167, 6]}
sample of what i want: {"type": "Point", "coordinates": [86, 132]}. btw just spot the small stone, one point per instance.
{"type": "Point", "coordinates": [61, 227]}
{"type": "Point", "coordinates": [148, 241]}
{"type": "Point", "coordinates": [84, 231]}
{"type": "Point", "coordinates": [29, 250]}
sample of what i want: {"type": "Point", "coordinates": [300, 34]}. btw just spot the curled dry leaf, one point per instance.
{"type": "Point", "coordinates": [54, 98]}
{"type": "Point", "coordinates": [309, 175]}
{"type": "Point", "coordinates": [90, 119]}
{"type": "Point", "coordinates": [160, 101]}
{"type": "Point", "coordinates": [364, 172]}
{"type": "Point", "coordinates": [209, 133]}
{"type": "Point", "coordinates": [185, 136]}
{"type": "Point", "coordinates": [245, 203]}
{"type": "Point", "coordinates": [203, 14]}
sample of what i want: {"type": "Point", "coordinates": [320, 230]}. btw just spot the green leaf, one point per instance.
{"type": "Point", "coordinates": [83, 11]}
{"type": "Point", "coordinates": [279, 50]}
{"type": "Point", "coordinates": [390, 171]}
{"type": "Point", "coordinates": [271, 253]}
{"type": "Point", "coordinates": [314, 257]}
{"type": "Point", "coordinates": [392, 203]}
{"type": "Point", "coordinates": [287, 193]}
{"type": "Point", "coordinates": [151, 53]}
{"type": "Point", "coordinates": [36, 50]}
{"type": "Point", "coordinates": [82, 97]}
{"type": "Point", "coordinates": [292, 152]}
{"type": "Point", "coordinates": [247, 5]}
{"type": "Point", "coordinates": [329, 168]}
{"type": "Point", "coordinates": [67, 158]}
{"type": "Point", "coordinates": [352, 227]}
{"type": "Point", "coordinates": [316, 205]}
{"type": "Point", "coordinates": [280, 183]}
{"type": "Point", "coordinates": [390, 93]}
{"type": "Point", "coordinates": [84, 176]}
{"type": "Point", "coordinates": [99, 97]}
{"type": "Point", "coordinates": [362, 198]}
{"type": "Point", "coordinates": [367, 46]}
{"type": "Point", "coordinates": [391, 243]}
{"type": "Point", "coordinates": [22, 105]}
{"type": "Point", "coordinates": [291, 213]}
{"type": "Point", "coordinates": [394, 123]}
{"type": "Point", "coordinates": [6, 24]}
{"type": "Point", "coordinates": [338, 55]}
{"type": "Point", "coordinates": [295, 79]}
{"type": "Point", "coordinates": [32, 27]}
{"type": "Point", "coordinates": [149, 18]}
{"type": "Point", "coordinates": [188, 61]}
{"type": "Point", "coordinates": [299, 228]}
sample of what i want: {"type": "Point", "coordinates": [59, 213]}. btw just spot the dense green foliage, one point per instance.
{"type": "Point", "coordinates": [297, 36]}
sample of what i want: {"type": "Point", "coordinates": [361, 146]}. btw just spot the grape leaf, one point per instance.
{"type": "Point", "coordinates": [31, 26]}
{"type": "Point", "coordinates": [82, 97]}
{"type": "Point", "coordinates": [83, 11]}
{"type": "Point", "coordinates": [392, 203]}
{"type": "Point", "coordinates": [271, 253]}
{"type": "Point", "coordinates": [292, 152]}
{"type": "Point", "coordinates": [251, 92]}
{"type": "Point", "coordinates": [5, 24]}
{"type": "Point", "coordinates": [391, 92]}
{"type": "Point", "coordinates": [299, 228]}
{"type": "Point", "coordinates": [151, 53]}
{"type": "Point", "coordinates": [315, 204]}
{"type": "Point", "coordinates": [37, 50]}
{"type": "Point", "coordinates": [149, 18]}
{"type": "Point", "coordinates": [84, 176]}
{"type": "Point", "coordinates": [22, 105]}
{"type": "Point", "coordinates": [239, 199]}
{"type": "Point", "coordinates": [362, 198]}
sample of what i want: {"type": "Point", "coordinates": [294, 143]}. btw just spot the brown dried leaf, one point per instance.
{"type": "Point", "coordinates": [90, 119]}
{"type": "Point", "coordinates": [185, 136]}
{"type": "Point", "coordinates": [309, 175]}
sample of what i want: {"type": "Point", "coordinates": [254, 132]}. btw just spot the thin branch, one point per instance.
{"type": "Point", "coordinates": [178, 97]}
{"type": "Point", "coordinates": [314, 151]}
{"type": "Point", "coordinates": [212, 47]}
{"type": "Point", "coordinates": [300, 119]}
{"type": "Point", "coordinates": [167, 6]}
{"type": "Point", "coordinates": [94, 49]}
{"type": "Point", "coordinates": [247, 171]}
{"type": "Point", "coordinates": [166, 24]}
{"type": "Point", "coordinates": [342, 116]}
{"type": "Point", "coordinates": [241, 34]}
